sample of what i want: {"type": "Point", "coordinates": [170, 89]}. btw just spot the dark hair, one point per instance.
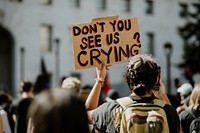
{"type": "Point", "coordinates": [42, 83]}
{"type": "Point", "coordinates": [58, 111]}
{"type": "Point", "coordinates": [26, 86]}
{"type": "Point", "coordinates": [3, 98]}
{"type": "Point", "coordinates": [142, 74]}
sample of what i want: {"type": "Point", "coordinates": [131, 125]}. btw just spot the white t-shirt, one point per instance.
{"type": "Point", "coordinates": [5, 122]}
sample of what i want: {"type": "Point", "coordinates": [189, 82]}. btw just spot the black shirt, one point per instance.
{"type": "Point", "coordinates": [20, 109]}
{"type": "Point", "coordinates": [186, 118]}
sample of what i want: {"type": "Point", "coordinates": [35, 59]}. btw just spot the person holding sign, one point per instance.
{"type": "Point", "coordinates": [143, 79]}
{"type": "Point", "coordinates": [107, 39]}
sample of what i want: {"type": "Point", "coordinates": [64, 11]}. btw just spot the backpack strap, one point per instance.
{"type": "Point", "coordinates": [125, 102]}
{"type": "Point", "coordinates": [194, 115]}
{"type": "Point", "coordinates": [159, 102]}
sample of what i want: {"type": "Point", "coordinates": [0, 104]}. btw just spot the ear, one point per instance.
{"type": "Point", "coordinates": [158, 80]}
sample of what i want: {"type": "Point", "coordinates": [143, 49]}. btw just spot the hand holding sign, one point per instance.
{"type": "Point", "coordinates": [106, 39]}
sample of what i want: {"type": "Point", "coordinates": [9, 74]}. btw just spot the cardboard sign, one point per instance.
{"type": "Point", "coordinates": [105, 39]}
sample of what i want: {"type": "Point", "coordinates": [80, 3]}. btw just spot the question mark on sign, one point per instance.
{"type": "Point", "coordinates": [137, 36]}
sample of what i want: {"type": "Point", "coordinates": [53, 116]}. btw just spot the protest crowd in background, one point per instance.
{"type": "Point", "coordinates": [99, 108]}
{"type": "Point", "coordinates": [49, 105]}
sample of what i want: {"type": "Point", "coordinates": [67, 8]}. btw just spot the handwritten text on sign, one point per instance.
{"type": "Point", "coordinates": [106, 39]}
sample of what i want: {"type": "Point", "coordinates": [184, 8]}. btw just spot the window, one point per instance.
{"type": "Point", "coordinates": [103, 4]}
{"type": "Point", "coordinates": [46, 2]}
{"type": "Point", "coordinates": [77, 3]}
{"type": "Point", "coordinates": [17, 0]}
{"type": "Point", "coordinates": [149, 4]}
{"type": "Point", "coordinates": [46, 37]}
{"type": "Point", "coordinates": [184, 10]}
{"type": "Point", "coordinates": [127, 5]}
{"type": "Point", "coordinates": [150, 41]}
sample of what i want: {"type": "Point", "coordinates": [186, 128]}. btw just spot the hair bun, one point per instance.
{"type": "Point", "coordinates": [140, 89]}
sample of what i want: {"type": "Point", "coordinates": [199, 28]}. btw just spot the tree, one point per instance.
{"type": "Point", "coordinates": [190, 33]}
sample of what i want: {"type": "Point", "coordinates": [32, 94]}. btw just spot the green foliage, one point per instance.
{"type": "Point", "coordinates": [190, 33]}
{"type": "Point", "coordinates": [192, 57]}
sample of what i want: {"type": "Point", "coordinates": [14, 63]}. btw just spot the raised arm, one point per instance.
{"type": "Point", "coordinates": [93, 98]}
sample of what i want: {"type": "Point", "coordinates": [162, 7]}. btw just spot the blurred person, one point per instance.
{"type": "Point", "coordinates": [112, 95]}
{"type": "Point", "coordinates": [143, 78]}
{"type": "Point", "coordinates": [42, 83]}
{"type": "Point", "coordinates": [84, 92]}
{"type": "Point", "coordinates": [188, 115]}
{"type": "Point", "coordinates": [72, 84]}
{"type": "Point", "coordinates": [21, 105]}
{"type": "Point", "coordinates": [5, 123]}
{"type": "Point", "coordinates": [175, 99]}
{"type": "Point", "coordinates": [177, 84]}
{"type": "Point", "coordinates": [1, 126]}
{"type": "Point", "coordinates": [57, 111]}
{"type": "Point", "coordinates": [62, 79]}
{"type": "Point", "coordinates": [7, 108]}
{"type": "Point", "coordinates": [185, 91]}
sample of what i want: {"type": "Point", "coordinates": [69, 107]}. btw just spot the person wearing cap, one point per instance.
{"type": "Point", "coordinates": [185, 91]}
{"type": "Point", "coordinates": [192, 111]}
{"type": "Point", "coordinates": [71, 84]}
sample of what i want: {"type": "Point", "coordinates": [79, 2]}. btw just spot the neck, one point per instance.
{"type": "Point", "coordinates": [145, 95]}
{"type": "Point", "coordinates": [27, 94]}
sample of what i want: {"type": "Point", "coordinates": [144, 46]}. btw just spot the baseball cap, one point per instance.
{"type": "Point", "coordinates": [185, 89]}
{"type": "Point", "coordinates": [71, 83]}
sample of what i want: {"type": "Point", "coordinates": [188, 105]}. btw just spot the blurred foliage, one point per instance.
{"type": "Point", "coordinates": [190, 33]}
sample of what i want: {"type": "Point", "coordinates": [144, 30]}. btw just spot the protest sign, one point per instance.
{"type": "Point", "coordinates": [105, 39]}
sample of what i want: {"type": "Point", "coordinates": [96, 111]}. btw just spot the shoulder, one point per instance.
{"type": "Point", "coordinates": [3, 112]}
{"type": "Point", "coordinates": [186, 118]}
{"type": "Point", "coordinates": [16, 102]}
{"type": "Point", "coordinates": [105, 110]}
{"type": "Point", "coordinates": [170, 112]}
{"type": "Point", "coordinates": [107, 106]}
{"type": "Point", "coordinates": [103, 117]}
{"type": "Point", "coordinates": [25, 101]}
{"type": "Point", "coordinates": [168, 107]}
{"type": "Point", "coordinates": [186, 115]}
{"type": "Point", "coordinates": [172, 118]}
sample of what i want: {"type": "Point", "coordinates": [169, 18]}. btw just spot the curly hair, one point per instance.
{"type": "Point", "coordinates": [142, 73]}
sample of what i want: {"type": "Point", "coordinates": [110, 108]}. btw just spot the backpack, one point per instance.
{"type": "Point", "coordinates": [143, 117]}
{"type": "Point", "coordinates": [195, 124]}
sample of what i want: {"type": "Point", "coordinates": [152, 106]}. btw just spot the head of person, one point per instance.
{"type": "Point", "coordinates": [195, 98]}
{"type": "Point", "coordinates": [185, 91]}
{"type": "Point", "coordinates": [84, 92]}
{"type": "Point", "coordinates": [3, 99]}
{"type": "Point", "coordinates": [176, 83]}
{"type": "Point", "coordinates": [142, 74]}
{"type": "Point", "coordinates": [72, 84]}
{"type": "Point", "coordinates": [26, 86]}
{"type": "Point", "coordinates": [58, 111]}
{"type": "Point", "coordinates": [113, 94]}
{"type": "Point", "coordinates": [42, 83]}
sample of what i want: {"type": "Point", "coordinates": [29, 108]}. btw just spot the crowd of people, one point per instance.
{"type": "Point", "coordinates": [76, 109]}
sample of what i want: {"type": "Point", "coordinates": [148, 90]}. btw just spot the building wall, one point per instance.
{"type": "Point", "coordinates": [24, 19]}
